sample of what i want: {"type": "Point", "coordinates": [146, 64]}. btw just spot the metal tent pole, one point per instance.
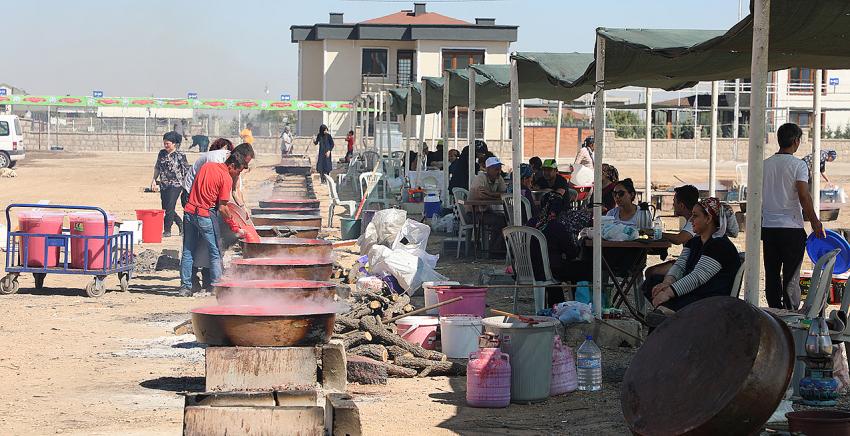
{"type": "Point", "coordinates": [389, 144]}
{"type": "Point", "coordinates": [647, 155]}
{"type": "Point", "coordinates": [816, 134]}
{"type": "Point", "coordinates": [502, 127]}
{"type": "Point", "coordinates": [375, 122]}
{"type": "Point", "coordinates": [517, 144]}
{"type": "Point", "coordinates": [48, 127]}
{"type": "Point", "coordinates": [470, 124]}
{"type": "Point", "coordinates": [422, 102]}
{"type": "Point", "coordinates": [445, 193]}
{"type": "Point", "coordinates": [558, 132]}
{"type": "Point", "coordinates": [712, 153]}
{"type": "Point", "coordinates": [599, 139]}
{"type": "Point", "coordinates": [755, 156]}
{"type": "Point", "coordinates": [455, 128]}
{"type": "Point", "coordinates": [736, 116]}
{"type": "Point", "coordinates": [408, 120]}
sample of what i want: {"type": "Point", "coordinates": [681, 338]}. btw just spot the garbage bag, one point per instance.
{"type": "Point", "coordinates": [618, 232]}
{"type": "Point", "coordinates": [383, 229]}
{"type": "Point", "coordinates": [413, 234]}
{"type": "Point", "coordinates": [445, 223]}
{"type": "Point", "coordinates": [407, 268]}
{"type": "Point", "coordinates": [573, 312]}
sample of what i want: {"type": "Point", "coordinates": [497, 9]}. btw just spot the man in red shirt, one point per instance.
{"type": "Point", "coordinates": [207, 199]}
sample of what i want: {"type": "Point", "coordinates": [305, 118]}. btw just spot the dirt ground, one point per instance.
{"type": "Point", "coordinates": [77, 365]}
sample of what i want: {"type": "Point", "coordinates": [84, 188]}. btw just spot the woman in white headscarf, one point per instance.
{"type": "Point", "coordinates": [707, 265]}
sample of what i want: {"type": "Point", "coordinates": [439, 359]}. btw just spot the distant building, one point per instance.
{"type": "Point", "coordinates": [7, 89]}
{"type": "Point", "coordinates": [339, 61]}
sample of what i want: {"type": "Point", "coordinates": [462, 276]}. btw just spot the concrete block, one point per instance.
{"type": "Point", "coordinates": [604, 336]}
{"type": "Point", "coordinates": [342, 416]}
{"type": "Point", "coordinates": [260, 368]}
{"type": "Point", "coordinates": [334, 373]}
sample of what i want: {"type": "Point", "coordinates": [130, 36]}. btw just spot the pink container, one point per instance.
{"type": "Point", "coordinates": [473, 303]}
{"type": "Point", "coordinates": [419, 330]}
{"type": "Point", "coordinates": [49, 223]}
{"type": "Point", "coordinates": [488, 379]}
{"type": "Point", "coordinates": [89, 224]}
{"type": "Point", "coordinates": [564, 376]}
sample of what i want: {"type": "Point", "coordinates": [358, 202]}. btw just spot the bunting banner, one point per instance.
{"type": "Point", "coordinates": [177, 103]}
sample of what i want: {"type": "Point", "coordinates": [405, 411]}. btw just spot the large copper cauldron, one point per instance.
{"type": "Point", "coordinates": [718, 366]}
{"type": "Point", "coordinates": [266, 291]}
{"type": "Point", "coordinates": [283, 231]}
{"type": "Point", "coordinates": [261, 326]}
{"type": "Point", "coordinates": [290, 202]}
{"type": "Point", "coordinates": [290, 248]}
{"type": "Point", "coordinates": [288, 220]}
{"type": "Point", "coordinates": [277, 268]}
{"type": "Point", "coordinates": [298, 210]}
{"type": "Point", "coordinates": [294, 193]}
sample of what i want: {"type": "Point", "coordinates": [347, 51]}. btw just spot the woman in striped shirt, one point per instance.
{"type": "Point", "coordinates": [707, 265]}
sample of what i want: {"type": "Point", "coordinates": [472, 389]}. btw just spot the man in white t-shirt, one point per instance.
{"type": "Point", "coordinates": [786, 200]}
{"type": "Point", "coordinates": [684, 200]}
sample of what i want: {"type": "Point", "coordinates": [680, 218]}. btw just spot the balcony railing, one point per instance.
{"type": "Point", "coordinates": [373, 83]}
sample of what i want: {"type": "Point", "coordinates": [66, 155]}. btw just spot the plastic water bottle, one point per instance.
{"type": "Point", "coordinates": [589, 366]}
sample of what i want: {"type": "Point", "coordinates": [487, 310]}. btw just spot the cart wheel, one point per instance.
{"type": "Point", "coordinates": [96, 287]}
{"type": "Point", "coordinates": [39, 280]}
{"type": "Point", "coordinates": [9, 284]}
{"type": "Point", "coordinates": [124, 282]}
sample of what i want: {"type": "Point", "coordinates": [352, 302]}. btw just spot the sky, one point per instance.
{"type": "Point", "coordinates": [236, 49]}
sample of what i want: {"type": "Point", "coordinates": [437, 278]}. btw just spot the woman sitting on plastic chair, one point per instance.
{"type": "Point", "coordinates": [707, 265]}
{"type": "Point", "coordinates": [560, 227]}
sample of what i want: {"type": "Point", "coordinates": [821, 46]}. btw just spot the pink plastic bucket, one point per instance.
{"type": "Point", "coordinates": [32, 248]}
{"type": "Point", "coordinates": [419, 330]}
{"type": "Point", "coordinates": [89, 224]}
{"type": "Point", "coordinates": [473, 303]}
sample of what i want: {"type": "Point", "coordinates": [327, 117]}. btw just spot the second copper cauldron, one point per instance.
{"type": "Point", "coordinates": [284, 231]}
{"type": "Point", "coordinates": [289, 248]}
{"type": "Point", "coordinates": [288, 220]}
{"type": "Point", "coordinates": [275, 293]}
{"type": "Point", "coordinates": [276, 268]}
{"type": "Point", "coordinates": [289, 202]}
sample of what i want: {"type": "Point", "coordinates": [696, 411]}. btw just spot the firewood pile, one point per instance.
{"type": "Point", "coordinates": [373, 346]}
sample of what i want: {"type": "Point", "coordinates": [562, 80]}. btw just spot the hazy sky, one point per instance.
{"type": "Point", "coordinates": [232, 49]}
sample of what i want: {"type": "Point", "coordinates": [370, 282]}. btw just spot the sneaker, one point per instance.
{"type": "Point", "coordinates": [184, 292]}
{"type": "Point", "coordinates": [166, 234]}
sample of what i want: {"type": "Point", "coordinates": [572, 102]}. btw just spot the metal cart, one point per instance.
{"type": "Point", "coordinates": [117, 254]}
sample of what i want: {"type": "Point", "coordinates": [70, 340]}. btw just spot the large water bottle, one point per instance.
{"type": "Point", "coordinates": [589, 366]}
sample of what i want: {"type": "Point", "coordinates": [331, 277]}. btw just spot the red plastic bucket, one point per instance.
{"type": "Point", "coordinates": [473, 303]}
{"type": "Point", "coordinates": [32, 248]}
{"type": "Point", "coordinates": [419, 330]}
{"type": "Point", "coordinates": [153, 223]}
{"type": "Point", "coordinates": [89, 224]}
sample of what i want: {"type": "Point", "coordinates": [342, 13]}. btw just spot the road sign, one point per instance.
{"type": "Point", "coordinates": [2, 91]}
{"type": "Point", "coordinates": [193, 96]}
{"type": "Point", "coordinates": [833, 81]}
{"type": "Point", "coordinates": [97, 94]}
{"type": "Point", "coordinates": [285, 97]}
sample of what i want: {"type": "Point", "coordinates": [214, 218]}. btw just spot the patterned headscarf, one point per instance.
{"type": "Point", "coordinates": [715, 210]}
{"type": "Point", "coordinates": [610, 172]}
{"type": "Point", "coordinates": [550, 207]}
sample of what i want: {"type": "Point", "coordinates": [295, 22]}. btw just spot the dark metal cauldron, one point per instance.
{"type": "Point", "coordinates": [285, 210]}
{"type": "Point", "coordinates": [287, 231]}
{"type": "Point", "coordinates": [292, 248]}
{"type": "Point", "coordinates": [290, 202]}
{"type": "Point", "coordinates": [288, 220]}
{"type": "Point", "coordinates": [718, 366]}
{"type": "Point", "coordinates": [276, 268]}
{"type": "Point", "coordinates": [266, 291]}
{"type": "Point", "coordinates": [260, 326]}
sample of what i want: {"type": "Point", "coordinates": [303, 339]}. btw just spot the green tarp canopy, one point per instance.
{"type": "Point", "coordinates": [550, 76]}
{"type": "Point", "coordinates": [433, 97]}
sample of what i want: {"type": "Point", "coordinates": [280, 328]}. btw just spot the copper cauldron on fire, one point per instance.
{"type": "Point", "coordinates": [263, 326]}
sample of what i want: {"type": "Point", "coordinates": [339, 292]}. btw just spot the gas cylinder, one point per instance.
{"type": "Point", "coordinates": [488, 379]}
{"type": "Point", "coordinates": [564, 377]}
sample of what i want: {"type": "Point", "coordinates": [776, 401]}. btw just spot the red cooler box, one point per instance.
{"type": "Point", "coordinates": [32, 248]}
{"type": "Point", "coordinates": [89, 224]}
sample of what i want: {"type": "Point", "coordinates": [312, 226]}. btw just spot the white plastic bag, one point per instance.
{"type": "Point", "coordinates": [618, 232]}
{"type": "Point", "coordinates": [573, 312]}
{"type": "Point", "coordinates": [370, 284]}
{"type": "Point", "coordinates": [413, 234]}
{"type": "Point", "coordinates": [445, 223]}
{"type": "Point", "coordinates": [383, 229]}
{"type": "Point", "coordinates": [409, 269]}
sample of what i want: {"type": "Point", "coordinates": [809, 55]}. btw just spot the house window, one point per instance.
{"type": "Point", "coordinates": [405, 67]}
{"type": "Point", "coordinates": [453, 59]}
{"type": "Point", "coordinates": [801, 119]}
{"type": "Point", "coordinates": [374, 62]}
{"type": "Point", "coordinates": [463, 126]}
{"type": "Point", "coordinates": [802, 81]}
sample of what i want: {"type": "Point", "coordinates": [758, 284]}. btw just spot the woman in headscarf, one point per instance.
{"type": "Point", "coordinates": [459, 171]}
{"type": "Point", "coordinates": [325, 141]}
{"type": "Point", "coordinates": [562, 246]}
{"type": "Point", "coordinates": [825, 156]}
{"type": "Point", "coordinates": [610, 177]}
{"type": "Point", "coordinates": [169, 171]}
{"type": "Point", "coordinates": [585, 154]}
{"type": "Point", "coordinates": [285, 141]}
{"type": "Point", "coordinates": [707, 265]}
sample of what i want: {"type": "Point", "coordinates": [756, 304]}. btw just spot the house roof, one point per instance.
{"type": "Point", "coordinates": [407, 17]}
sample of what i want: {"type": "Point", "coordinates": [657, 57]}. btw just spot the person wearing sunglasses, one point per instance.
{"type": "Point", "coordinates": [625, 211]}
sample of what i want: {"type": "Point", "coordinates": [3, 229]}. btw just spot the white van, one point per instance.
{"type": "Point", "coordinates": [11, 141]}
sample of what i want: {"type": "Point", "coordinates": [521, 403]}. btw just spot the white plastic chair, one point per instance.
{"type": "Point", "coordinates": [335, 201]}
{"type": "Point", "coordinates": [397, 155]}
{"type": "Point", "coordinates": [518, 240]}
{"type": "Point", "coordinates": [372, 189]}
{"type": "Point", "coordinates": [739, 277]}
{"type": "Point", "coordinates": [429, 183]}
{"type": "Point", "coordinates": [370, 160]}
{"type": "Point", "coordinates": [464, 230]}
{"type": "Point", "coordinates": [508, 203]}
{"type": "Point", "coordinates": [821, 281]}
{"type": "Point", "coordinates": [741, 181]}
{"type": "Point", "coordinates": [355, 167]}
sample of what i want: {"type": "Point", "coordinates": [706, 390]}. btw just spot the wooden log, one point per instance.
{"type": "Point", "coordinates": [396, 351]}
{"type": "Point", "coordinates": [366, 371]}
{"type": "Point", "coordinates": [372, 351]}
{"type": "Point", "coordinates": [347, 322]}
{"type": "Point", "coordinates": [436, 368]}
{"type": "Point", "coordinates": [355, 338]}
{"type": "Point", "coordinates": [375, 305]}
{"type": "Point", "coordinates": [400, 371]}
{"type": "Point", "coordinates": [398, 306]}
{"type": "Point", "coordinates": [379, 333]}
{"type": "Point", "coordinates": [408, 308]}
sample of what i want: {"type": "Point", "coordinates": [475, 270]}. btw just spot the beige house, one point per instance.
{"type": "Point", "coordinates": [339, 61]}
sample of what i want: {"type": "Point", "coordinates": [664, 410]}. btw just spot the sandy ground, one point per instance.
{"type": "Point", "coordinates": [77, 365]}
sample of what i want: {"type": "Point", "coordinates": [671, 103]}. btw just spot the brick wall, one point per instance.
{"type": "Point", "coordinates": [540, 141]}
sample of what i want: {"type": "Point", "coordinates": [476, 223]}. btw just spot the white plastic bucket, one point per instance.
{"type": "Point", "coordinates": [431, 294]}
{"type": "Point", "coordinates": [134, 226]}
{"type": "Point", "coordinates": [460, 335]}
